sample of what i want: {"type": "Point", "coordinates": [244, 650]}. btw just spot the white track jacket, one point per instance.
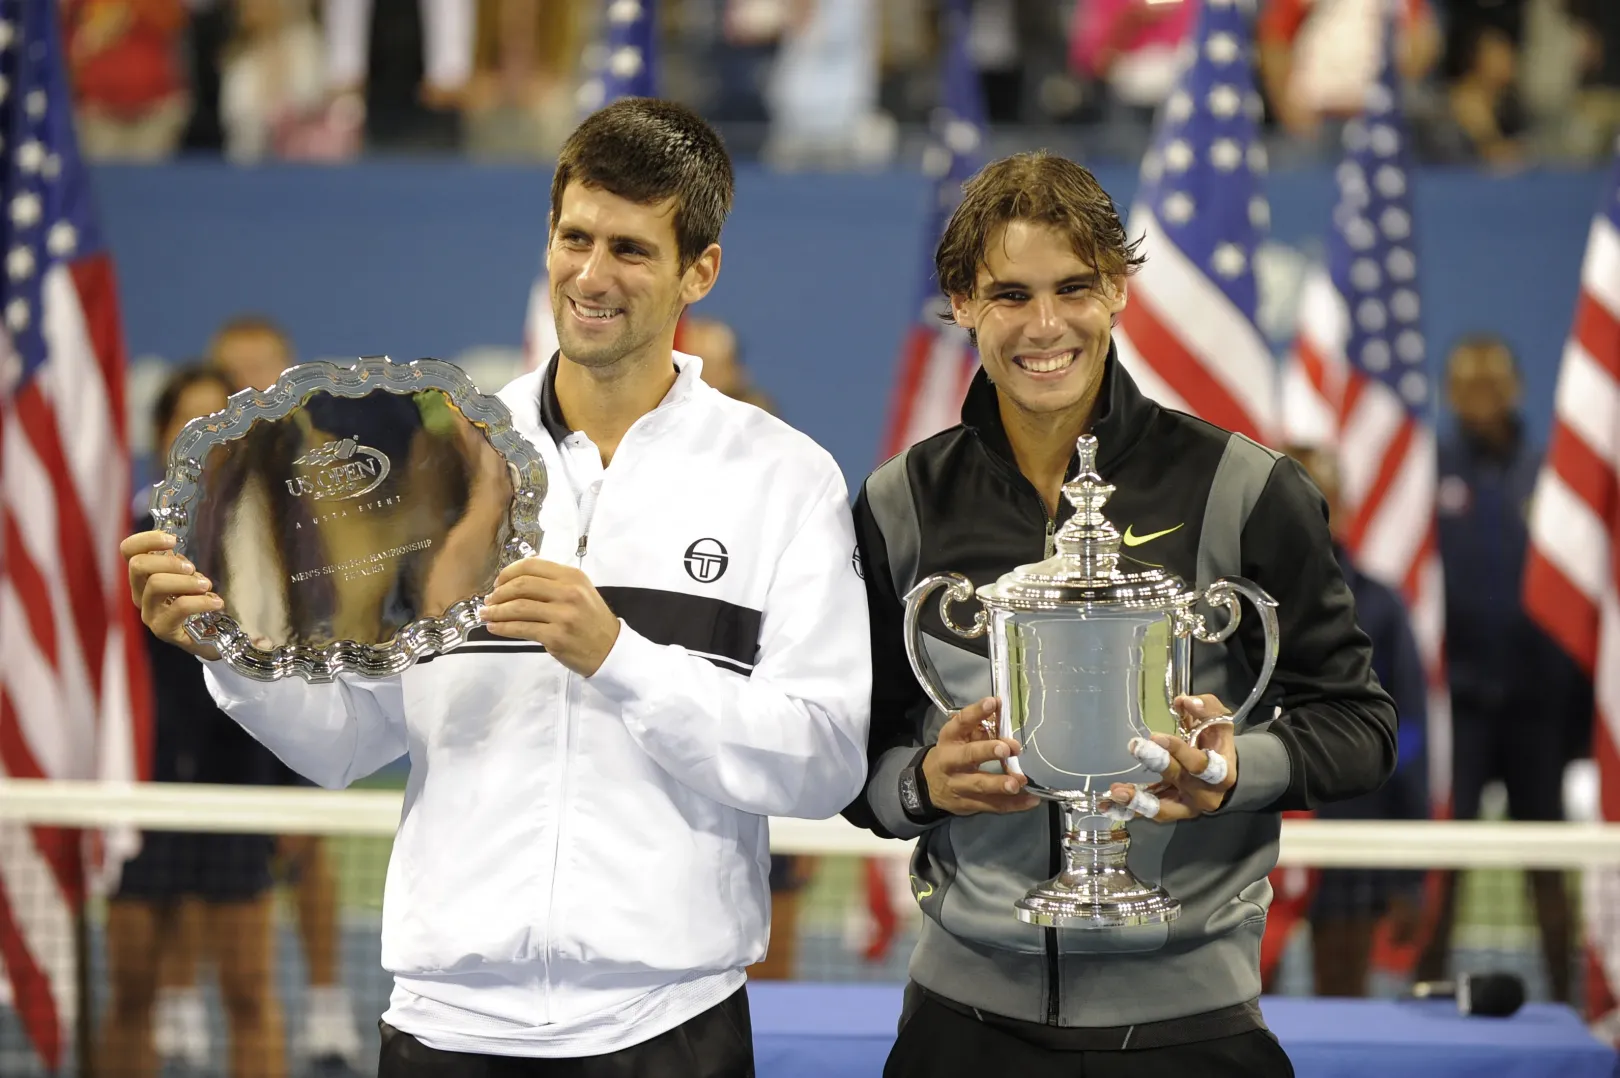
{"type": "Point", "coordinates": [582, 862]}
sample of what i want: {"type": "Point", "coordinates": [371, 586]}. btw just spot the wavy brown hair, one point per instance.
{"type": "Point", "coordinates": [1042, 188]}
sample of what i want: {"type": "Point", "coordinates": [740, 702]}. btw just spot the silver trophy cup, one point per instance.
{"type": "Point", "coordinates": [1084, 658]}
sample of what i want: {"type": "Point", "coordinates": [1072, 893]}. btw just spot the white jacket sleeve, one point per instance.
{"type": "Point", "coordinates": [789, 740]}
{"type": "Point", "coordinates": [331, 734]}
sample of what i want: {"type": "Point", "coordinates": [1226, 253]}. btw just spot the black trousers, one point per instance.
{"type": "Point", "coordinates": [939, 1042]}
{"type": "Point", "coordinates": [719, 1043]}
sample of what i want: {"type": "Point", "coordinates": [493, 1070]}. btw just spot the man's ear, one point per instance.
{"type": "Point", "coordinates": [700, 276]}
{"type": "Point", "coordinates": [1117, 294]}
{"type": "Point", "coordinates": [962, 312]}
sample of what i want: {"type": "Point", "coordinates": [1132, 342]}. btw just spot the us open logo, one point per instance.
{"type": "Point", "coordinates": [339, 470]}
{"type": "Point", "coordinates": [706, 560]}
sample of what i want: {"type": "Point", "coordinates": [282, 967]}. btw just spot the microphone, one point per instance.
{"type": "Point", "coordinates": [1491, 995]}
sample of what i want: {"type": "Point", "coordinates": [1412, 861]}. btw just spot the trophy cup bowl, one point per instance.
{"type": "Point", "coordinates": [1083, 659]}
{"type": "Point", "coordinates": [352, 518]}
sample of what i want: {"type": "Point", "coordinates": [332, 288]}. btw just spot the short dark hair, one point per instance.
{"type": "Point", "coordinates": [250, 322]}
{"type": "Point", "coordinates": [180, 380]}
{"type": "Point", "coordinates": [1484, 341]}
{"type": "Point", "coordinates": [646, 150]}
{"type": "Point", "coordinates": [1039, 187]}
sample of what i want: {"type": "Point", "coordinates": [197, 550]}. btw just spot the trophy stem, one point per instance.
{"type": "Point", "coordinates": [1095, 889]}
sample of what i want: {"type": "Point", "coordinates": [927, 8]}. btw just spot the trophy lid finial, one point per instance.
{"type": "Point", "coordinates": [1088, 539]}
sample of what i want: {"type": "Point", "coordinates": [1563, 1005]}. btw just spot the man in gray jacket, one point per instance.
{"type": "Point", "coordinates": [1035, 264]}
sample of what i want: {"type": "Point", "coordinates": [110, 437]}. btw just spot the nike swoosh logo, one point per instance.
{"type": "Point", "coordinates": [1130, 538]}
{"type": "Point", "coordinates": [923, 890]}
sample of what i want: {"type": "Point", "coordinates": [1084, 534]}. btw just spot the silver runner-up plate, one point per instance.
{"type": "Point", "coordinates": [352, 518]}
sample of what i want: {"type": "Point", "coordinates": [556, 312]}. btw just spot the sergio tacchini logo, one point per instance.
{"type": "Point", "coordinates": [1130, 538]}
{"type": "Point", "coordinates": [706, 560]}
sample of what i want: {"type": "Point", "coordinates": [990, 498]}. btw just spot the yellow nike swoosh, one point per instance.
{"type": "Point", "coordinates": [1130, 538]}
{"type": "Point", "coordinates": [921, 889]}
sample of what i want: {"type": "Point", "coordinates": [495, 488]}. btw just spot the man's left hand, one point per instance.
{"type": "Point", "coordinates": [1184, 792]}
{"type": "Point", "coordinates": [554, 605]}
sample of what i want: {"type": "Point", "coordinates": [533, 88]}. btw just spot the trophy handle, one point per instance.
{"type": "Point", "coordinates": [959, 589]}
{"type": "Point", "coordinates": [1225, 592]}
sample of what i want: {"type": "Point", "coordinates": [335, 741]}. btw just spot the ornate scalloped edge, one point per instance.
{"type": "Point", "coordinates": [175, 496]}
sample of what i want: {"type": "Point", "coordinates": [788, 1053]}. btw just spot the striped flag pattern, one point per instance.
{"type": "Point", "coordinates": [937, 361]}
{"type": "Point", "coordinates": [73, 693]}
{"type": "Point", "coordinates": [1188, 335]}
{"type": "Point", "coordinates": [1572, 575]}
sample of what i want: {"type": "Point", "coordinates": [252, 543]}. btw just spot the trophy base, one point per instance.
{"type": "Point", "coordinates": [1096, 889]}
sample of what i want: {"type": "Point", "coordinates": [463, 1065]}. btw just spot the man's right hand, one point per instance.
{"type": "Point", "coordinates": [167, 590]}
{"type": "Point", "coordinates": [951, 767]}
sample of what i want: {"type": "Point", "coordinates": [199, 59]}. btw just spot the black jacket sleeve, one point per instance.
{"type": "Point", "coordinates": [898, 702]}
{"type": "Point", "coordinates": [1335, 737]}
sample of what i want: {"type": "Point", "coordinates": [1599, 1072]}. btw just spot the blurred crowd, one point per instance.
{"type": "Point", "coordinates": [836, 83]}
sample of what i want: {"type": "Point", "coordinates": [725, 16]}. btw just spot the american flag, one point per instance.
{"type": "Point", "coordinates": [1188, 334]}
{"type": "Point", "coordinates": [73, 689]}
{"type": "Point", "coordinates": [628, 68]}
{"type": "Point", "coordinates": [937, 361]}
{"type": "Point", "coordinates": [1572, 577]}
{"type": "Point", "coordinates": [1356, 382]}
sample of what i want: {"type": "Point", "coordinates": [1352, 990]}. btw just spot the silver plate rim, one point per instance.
{"type": "Point", "coordinates": [176, 495]}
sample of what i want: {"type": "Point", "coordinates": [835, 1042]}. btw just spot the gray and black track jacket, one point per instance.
{"type": "Point", "coordinates": [1202, 503]}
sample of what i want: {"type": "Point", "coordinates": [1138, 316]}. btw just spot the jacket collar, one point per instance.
{"type": "Point", "coordinates": [1121, 420]}
{"type": "Point", "coordinates": [688, 380]}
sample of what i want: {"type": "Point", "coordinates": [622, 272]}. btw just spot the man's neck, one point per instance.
{"type": "Point", "coordinates": [1498, 438]}
{"type": "Point", "coordinates": [605, 402]}
{"type": "Point", "coordinates": [1044, 443]}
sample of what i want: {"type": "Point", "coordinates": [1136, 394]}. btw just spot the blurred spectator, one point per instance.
{"type": "Point", "coordinates": [520, 101]}
{"type": "Point", "coordinates": [273, 94]}
{"type": "Point", "coordinates": [716, 344]}
{"type": "Point", "coordinates": [1318, 57]}
{"type": "Point", "coordinates": [822, 92]}
{"type": "Point", "coordinates": [993, 47]}
{"type": "Point", "coordinates": [1482, 118]}
{"type": "Point", "coordinates": [1020, 50]}
{"type": "Point", "coordinates": [744, 51]}
{"type": "Point", "coordinates": [409, 63]}
{"type": "Point", "coordinates": [228, 874]}
{"type": "Point", "coordinates": [447, 39]}
{"type": "Point", "coordinates": [1597, 102]}
{"type": "Point", "coordinates": [1133, 49]}
{"type": "Point", "coordinates": [1349, 903]}
{"type": "Point", "coordinates": [129, 88]}
{"type": "Point", "coordinates": [1515, 695]}
{"type": "Point", "coordinates": [208, 34]}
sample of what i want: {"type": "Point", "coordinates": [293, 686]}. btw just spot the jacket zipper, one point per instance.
{"type": "Point", "coordinates": [562, 818]}
{"type": "Point", "coordinates": [587, 510]}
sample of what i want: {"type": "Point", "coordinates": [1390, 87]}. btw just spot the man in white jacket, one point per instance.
{"type": "Point", "coordinates": [579, 876]}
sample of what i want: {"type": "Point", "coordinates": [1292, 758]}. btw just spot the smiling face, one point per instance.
{"type": "Point", "coordinates": [1482, 383]}
{"type": "Point", "coordinates": [617, 285]}
{"type": "Point", "coordinates": [1042, 315]}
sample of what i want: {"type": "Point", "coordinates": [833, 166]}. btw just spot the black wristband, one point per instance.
{"type": "Point", "coordinates": [914, 800]}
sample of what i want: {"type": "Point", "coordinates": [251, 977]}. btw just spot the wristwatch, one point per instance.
{"type": "Point", "coordinates": [914, 800]}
